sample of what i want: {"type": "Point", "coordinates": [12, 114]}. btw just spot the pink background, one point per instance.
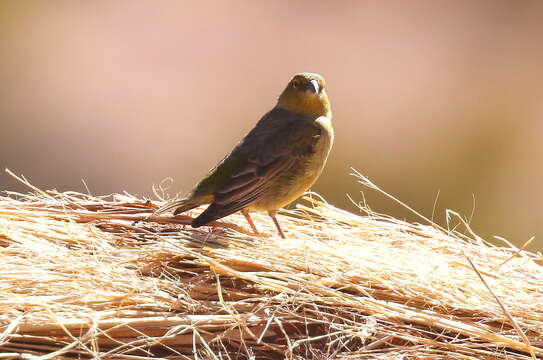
{"type": "Point", "coordinates": [427, 96]}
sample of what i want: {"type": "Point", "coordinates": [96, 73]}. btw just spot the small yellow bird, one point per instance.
{"type": "Point", "coordinates": [276, 162]}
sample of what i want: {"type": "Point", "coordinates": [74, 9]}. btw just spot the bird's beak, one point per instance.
{"type": "Point", "coordinates": [314, 86]}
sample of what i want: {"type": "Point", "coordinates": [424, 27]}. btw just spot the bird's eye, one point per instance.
{"type": "Point", "coordinates": [295, 84]}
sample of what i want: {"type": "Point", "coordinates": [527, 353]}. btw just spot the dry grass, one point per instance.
{"type": "Point", "coordinates": [80, 278]}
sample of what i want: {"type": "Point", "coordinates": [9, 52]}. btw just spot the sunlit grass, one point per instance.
{"type": "Point", "coordinates": [95, 277]}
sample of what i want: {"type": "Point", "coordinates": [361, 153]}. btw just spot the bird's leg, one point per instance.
{"type": "Point", "coordinates": [245, 213]}
{"type": "Point", "coordinates": [272, 215]}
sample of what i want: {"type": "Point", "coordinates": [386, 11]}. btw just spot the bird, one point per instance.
{"type": "Point", "coordinates": [274, 164]}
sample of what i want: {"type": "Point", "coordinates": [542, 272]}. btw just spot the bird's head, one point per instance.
{"type": "Point", "coordinates": [305, 95]}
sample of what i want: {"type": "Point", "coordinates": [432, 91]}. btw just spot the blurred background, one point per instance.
{"type": "Point", "coordinates": [428, 97]}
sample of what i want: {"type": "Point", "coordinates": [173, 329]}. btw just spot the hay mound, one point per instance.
{"type": "Point", "coordinates": [82, 278]}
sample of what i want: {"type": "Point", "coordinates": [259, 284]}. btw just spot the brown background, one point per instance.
{"type": "Point", "coordinates": [427, 96]}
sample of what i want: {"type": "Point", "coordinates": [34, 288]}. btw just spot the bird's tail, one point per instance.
{"type": "Point", "coordinates": [178, 206]}
{"type": "Point", "coordinates": [203, 219]}
{"type": "Point", "coordinates": [212, 213]}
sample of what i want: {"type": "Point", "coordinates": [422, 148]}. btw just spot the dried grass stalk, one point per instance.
{"type": "Point", "coordinates": [93, 277]}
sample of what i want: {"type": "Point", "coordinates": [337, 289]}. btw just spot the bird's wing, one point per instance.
{"type": "Point", "coordinates": [271, 148]}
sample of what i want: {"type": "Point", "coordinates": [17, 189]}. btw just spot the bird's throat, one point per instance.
{"type": "Point", "coordinates": [305, 104]}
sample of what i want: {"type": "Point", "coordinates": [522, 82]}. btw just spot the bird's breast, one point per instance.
{"type": "Point", "coordinates": [293, 182]}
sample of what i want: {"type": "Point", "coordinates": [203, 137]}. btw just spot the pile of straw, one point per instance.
{"type": "Point", "coordinates": [91, 277]}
